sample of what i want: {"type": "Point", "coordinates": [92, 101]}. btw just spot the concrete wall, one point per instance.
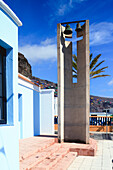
{"type": "Point", "coordinates": [9, 144]}
{"type": "Point", "coordinates": [47, 112]}
{"type": "Point", "coordinates": [29, 118]}
{"type": "Point", "coordinates": [56, 106]}
{"type": "Point", "coordinates": [73, 98]}
{"type": "Point", "coordinates": [60, 70]}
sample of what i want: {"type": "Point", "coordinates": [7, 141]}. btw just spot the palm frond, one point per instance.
{"type": "Point", "coordinates": [75, 76]}
{"type": "Point", "coordinates": [91, 56]}
{"type": "Point", "coordinates": [74, 65]}
{"type": "Point", "coordinates": [103, 75]}
{"type": "Point", "coordinates": [74, 71]}
{"type": "Point", "coordinates": [97, 71]}
{"type": "Point", "coordinates": [75, 58]}
{"type": "Point", "coordinates": [98, 65]}
{"type": "Point", "coordinates": [93, 66]}
{"type": "Point", "coordinates": [94, 61]}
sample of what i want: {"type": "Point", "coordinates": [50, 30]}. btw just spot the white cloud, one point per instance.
{"type": "Point", "coordinates": [70, 2]}
{"type": "Point", "coordinates": [78, 1]}
{"type": "Point", "coordinates": [62, 9]}
{"type": "Point", "coordinates": [63, 6]}
{"type": "Point", "coordinates": [66, 7]}
{"type": "Point", "coordinates": [48, 41]}
{"type": "Point", "coordinates": [43, 52]}
{"type": "Point", "coordinates": [110, 82]}
{"type": "Point", "coordinates": [101, 33]}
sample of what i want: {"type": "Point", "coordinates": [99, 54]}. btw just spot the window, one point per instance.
{"type": "Point", "coordinates": [2, 85]}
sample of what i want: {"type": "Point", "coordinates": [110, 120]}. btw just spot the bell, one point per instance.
{"type": "Point", "coordinates": [67, 30]}
{"type": "Point", "coordinates": [78, 27]}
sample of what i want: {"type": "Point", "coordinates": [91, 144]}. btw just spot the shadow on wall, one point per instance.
{"type": "Point", "coordinates": [10, 97]}
{"type": "Point", "coordinates": [3, 156]}
{"type": "Point", "coordinates": [9, 85]}
{"type": "Point", "coordinates": [36, 113]}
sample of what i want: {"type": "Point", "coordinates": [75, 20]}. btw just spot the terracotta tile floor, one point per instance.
{"type": "Point", "coordinates": [34, 144]}
{"type": "Point", "coordinates": [46, 153]}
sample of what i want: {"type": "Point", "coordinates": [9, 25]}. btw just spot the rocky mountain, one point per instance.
{"type": "Point", "coordinates": [23, 66]}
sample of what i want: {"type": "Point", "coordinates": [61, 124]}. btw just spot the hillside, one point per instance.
{"type": "Point", "coordinates": [98, 104]}
{"type": "Point", "coordinates": [23, 66]}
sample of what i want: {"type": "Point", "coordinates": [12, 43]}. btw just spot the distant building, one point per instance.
{"type": "Point", "coordinates": [110, 110]}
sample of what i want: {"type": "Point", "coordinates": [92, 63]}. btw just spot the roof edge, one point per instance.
{"type": "Point", "coordinates": [10, 13]}
{"type": "Point", "coordinates": [26, 79]}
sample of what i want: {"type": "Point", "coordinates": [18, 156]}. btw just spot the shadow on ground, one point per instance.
{"type": "Point", "coordinates": [101, 136]}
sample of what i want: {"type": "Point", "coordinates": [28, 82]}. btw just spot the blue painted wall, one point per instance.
{"type": "Point", "coordinates": [9, 144]}
{"type": "Point", "coordinates": [20, 112]}
{"type": "Point", "coordinates": [36, 111]}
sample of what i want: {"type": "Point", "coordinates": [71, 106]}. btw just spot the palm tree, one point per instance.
{"type": "Point", "coordinates": [94, 71]}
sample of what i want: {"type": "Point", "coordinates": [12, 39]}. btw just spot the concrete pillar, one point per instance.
{"type": "Point", "coordinates": [60, 65]}
{"type": "Point", "coordinates": [73, 98]}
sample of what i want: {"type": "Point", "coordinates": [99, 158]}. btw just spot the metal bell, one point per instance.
{"type": "Point", "coordinates": [67, 30]}
{"type": "Point", "coordinates": [78, 27]}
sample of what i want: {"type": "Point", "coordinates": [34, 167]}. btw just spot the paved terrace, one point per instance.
{"type": "Point", "coordinates": [104, 155]}
{"type": "Point", "coordinates": [102, 160]}
{"type": "Point", "coordinates": [44, 153]}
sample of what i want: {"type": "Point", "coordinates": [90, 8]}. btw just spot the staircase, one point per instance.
{"type": "Point", "coordinates": [45, 153]}
{"type": "Point", "coordinates": [49, 156]}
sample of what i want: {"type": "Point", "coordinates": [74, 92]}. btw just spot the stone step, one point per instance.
{"type": "Point", "coordinates": [49, 162]}
{"type": "Point", "coordinates": [38, 157]}
{"type": "Point", "coordinates": [45, 154]}
{"type": "Point", "coordinates": [82, 149]}
{"type": "Point", "coordinates": [64, 163]}
{"type": "Point", "coordinates": [33, 147]}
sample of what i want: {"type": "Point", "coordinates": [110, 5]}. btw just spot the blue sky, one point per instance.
{"type": "Point", "coordinates": [37, 36]}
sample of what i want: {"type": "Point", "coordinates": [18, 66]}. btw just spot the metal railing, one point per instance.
{"type": "Point", "coordinates": [96, 123]}
{"type": "Point", "coordinates": [101, 120]}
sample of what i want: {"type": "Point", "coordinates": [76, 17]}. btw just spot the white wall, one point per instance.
{"type": "Point", "coordinates": [56, 106]}
{"type": "Point", "coordinates": [29, 126]}
{"type": "Point", "coordinates": [37, 109]}
{"type": "Point", "coordinates": [47, 112]}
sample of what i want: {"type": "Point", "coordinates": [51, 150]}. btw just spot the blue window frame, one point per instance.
{"type": "Point", "coordinates": [2, 85]}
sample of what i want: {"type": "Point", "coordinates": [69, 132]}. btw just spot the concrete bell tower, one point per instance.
{"type": "Point", "coordinates": [73, 98]}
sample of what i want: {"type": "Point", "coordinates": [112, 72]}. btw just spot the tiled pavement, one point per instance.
{"type": "Point", "coordinates": [102, 160]}
{"type": "Point", "coordinates": [44, 147]}
{"type": "Point", "coordinates": [37, 153]}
